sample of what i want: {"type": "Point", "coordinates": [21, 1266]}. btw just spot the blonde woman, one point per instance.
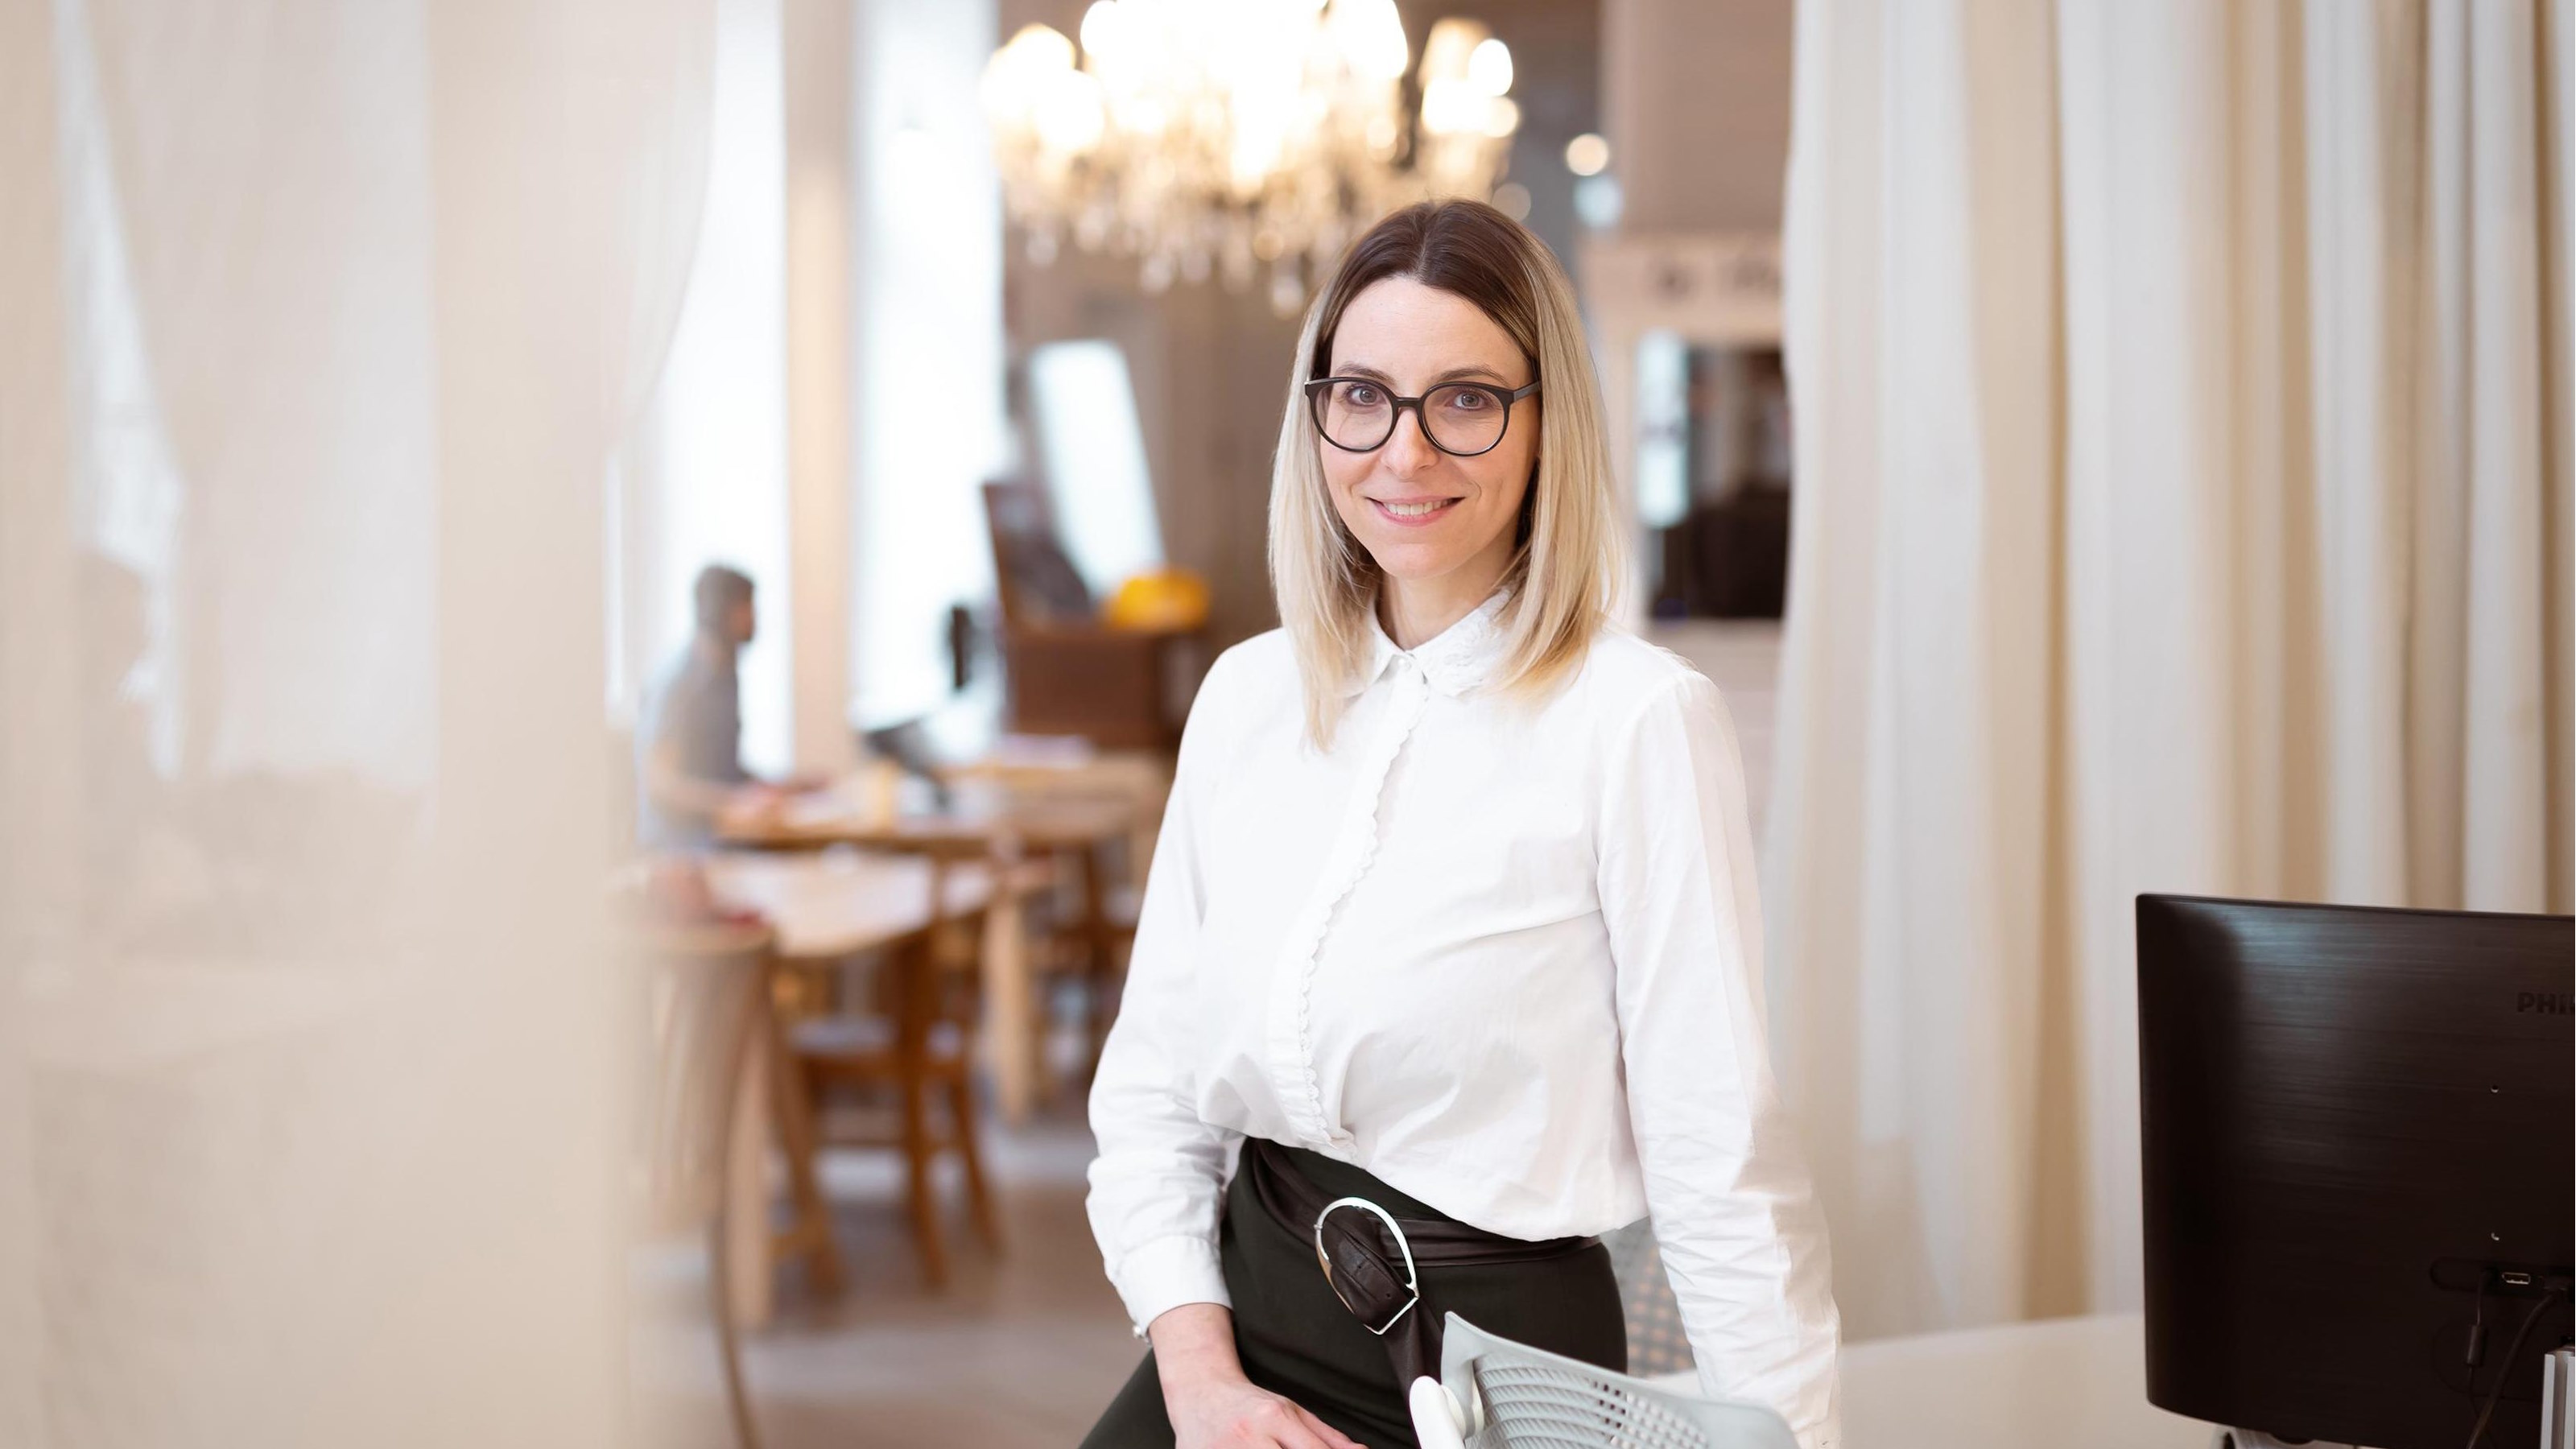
{"type": "Point", "coordinates": [1451, 955]}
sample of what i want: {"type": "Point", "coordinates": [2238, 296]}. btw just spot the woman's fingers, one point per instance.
{"type": "Point", "coordinates": [1326, 1435]}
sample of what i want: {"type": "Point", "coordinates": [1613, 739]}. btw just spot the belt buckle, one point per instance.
{"type": "Point", "coordinates": [1323, 1259]}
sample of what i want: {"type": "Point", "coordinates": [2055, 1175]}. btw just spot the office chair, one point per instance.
{"type": "Point", "coordinates": [1497, 1394]}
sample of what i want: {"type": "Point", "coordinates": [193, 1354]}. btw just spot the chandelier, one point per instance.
{"type": "Point", "coordinates": [1240, 137]}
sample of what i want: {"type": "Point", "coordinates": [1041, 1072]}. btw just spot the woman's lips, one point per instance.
{"type": "Point", "coordinates": [1415, 512]}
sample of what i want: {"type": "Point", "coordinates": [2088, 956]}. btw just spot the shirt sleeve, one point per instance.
{"type": "Point", "coordinates": [1160, 1173]}
{"type": "Point", "coordinates": [1734, 1211]}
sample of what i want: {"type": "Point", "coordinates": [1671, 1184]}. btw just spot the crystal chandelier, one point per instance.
{"type": "Point", "coordinates": [1239, 137]}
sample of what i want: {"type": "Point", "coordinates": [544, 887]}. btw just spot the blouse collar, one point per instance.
{"type": "Point", "coordinates": [1456, 660]}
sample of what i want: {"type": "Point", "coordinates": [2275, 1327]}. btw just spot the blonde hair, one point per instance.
{"type": "Point", "coordinates": [1563, 577]}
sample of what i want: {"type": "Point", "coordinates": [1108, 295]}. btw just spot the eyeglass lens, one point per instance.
{"type": "Point", "coordinates": [1461, 417]}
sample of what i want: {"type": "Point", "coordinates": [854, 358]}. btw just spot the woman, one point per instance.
{"type": "Point", "coordinates": [1453, 911]}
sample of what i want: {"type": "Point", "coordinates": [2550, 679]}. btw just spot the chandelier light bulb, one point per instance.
{"type": "Point", "coordinates": [1144, 115]}
{"type": "Point", "coordinates": [1018, 72]}
{"type": "Point", "coordinates": [1449, 49]}
{"type": "Point", "coordinates": [1100, 26]}
{"type": "Point", "coordinates": [1449, 108]}
{"type": "Point", "coordinates": [1372, 36]}
{"type": "Point", "coordinates": [1489, 67]}
{"type": "Point", "coordinates": [1068, 112]}
{"type": "Point", "coordinates": [1039, 49]}
{"type": "Point", "coordinates": [1587, 155]}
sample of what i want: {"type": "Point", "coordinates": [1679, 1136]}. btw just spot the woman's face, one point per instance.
{"type": "Point", "coordinates": [1421, 513]}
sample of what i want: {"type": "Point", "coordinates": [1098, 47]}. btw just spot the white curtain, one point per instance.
{"type": "Point", "coordinates": [318, 319]}
{"type": "Point", "coordinates": [702, 477]}
{"type": "Point", "coordinates": [2183, 505]}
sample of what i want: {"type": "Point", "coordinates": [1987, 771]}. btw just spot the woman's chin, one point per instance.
{"type": "Point", "coordinates": [1415, 561]}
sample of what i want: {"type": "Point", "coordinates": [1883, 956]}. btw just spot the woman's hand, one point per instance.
{"type": "Point", "coordinates": [1242, 1413]}
{"type": "Point", "coordinates": [1211, 1404]}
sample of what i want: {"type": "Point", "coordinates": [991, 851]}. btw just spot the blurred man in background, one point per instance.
{"type": "Point", "coordinates": [690, 743]}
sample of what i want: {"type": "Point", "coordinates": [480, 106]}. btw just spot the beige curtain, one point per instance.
{"type": "Point", "coordinates": [2183, 505]}
{"type": "Point", "coordinates": [307, 1091]}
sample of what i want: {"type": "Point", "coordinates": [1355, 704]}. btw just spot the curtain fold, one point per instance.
{"type": "Point", "coordinates": [308, 1088]}
{"type": "Point", "coordinates": [38, 884]}
{"type": "Point", "coordinates": [2176, 512]}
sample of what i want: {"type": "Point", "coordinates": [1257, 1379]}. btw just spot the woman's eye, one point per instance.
{"type": "Point", "coordinates": [1469, 400]}
{"type": "Point", "coordinates": [1361, 395]}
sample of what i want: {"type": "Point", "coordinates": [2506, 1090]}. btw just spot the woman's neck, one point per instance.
{"type": "Point", "coordinates": [1416, 611]}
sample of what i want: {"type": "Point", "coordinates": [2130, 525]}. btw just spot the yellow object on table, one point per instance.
{"type": "Point", "coordinates": [1159, 600]}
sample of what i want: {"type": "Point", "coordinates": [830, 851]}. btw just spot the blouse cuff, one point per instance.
{"type": "Point", "coordinates": [1823, 1432]}
{"type": "Point", "coordinates": [1161, 1274]}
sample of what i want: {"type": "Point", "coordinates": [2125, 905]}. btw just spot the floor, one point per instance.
{"type": "Point", "coordinates": [1022, 1350]}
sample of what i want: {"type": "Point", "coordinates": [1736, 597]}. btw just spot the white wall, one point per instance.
{"type": "Point", "coordinates": [1695, 101]}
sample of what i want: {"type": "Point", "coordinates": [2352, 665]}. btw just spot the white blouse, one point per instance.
{"type": "Point", "coordinates": [1507, 957]}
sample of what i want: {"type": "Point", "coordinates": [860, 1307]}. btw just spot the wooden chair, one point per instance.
{"type": "Point", "coordinates": [1089, 946]}
{"type": "Point", "coordinates": [917, 1045]}
{"type": "Point", "coordinates": [706, 990]}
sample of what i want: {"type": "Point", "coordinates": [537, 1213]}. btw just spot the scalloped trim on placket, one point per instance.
{"type": "Point", "coordinates": [1292, 1053]}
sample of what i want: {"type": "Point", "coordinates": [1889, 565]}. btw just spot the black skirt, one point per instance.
{"type": "Point", "coordinates": [1297, 1340]}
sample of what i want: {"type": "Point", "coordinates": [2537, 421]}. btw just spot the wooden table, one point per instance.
{"type": "Point", "coordinates": [823, 909]}
{"type": "Point", "coordinates": [1027, 769]}
{"type": "Point", "coordinates": [1002, 833]}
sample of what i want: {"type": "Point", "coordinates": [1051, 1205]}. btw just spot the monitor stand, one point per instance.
{"type": "Point", "coordinates": [2557, 1413]}
{"type": "Point", "coordinates": [2558, 1399]}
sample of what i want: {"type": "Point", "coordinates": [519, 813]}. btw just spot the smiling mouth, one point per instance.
{"type": "Point", "coordinates": [1422, 509]}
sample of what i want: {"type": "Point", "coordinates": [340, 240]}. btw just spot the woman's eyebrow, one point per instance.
{"type": "Point", "coordinates": [1455, 374]}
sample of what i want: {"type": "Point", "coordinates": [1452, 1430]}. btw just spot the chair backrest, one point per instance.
{"type": "Point", "coordinates": [935, 977]}
{"type": "Point", "coordinates": [1034, 579]}
{"type": "Point", "coordinates": [703, 992]}
{"type": "Point", "coordinates": [1527, 1398]}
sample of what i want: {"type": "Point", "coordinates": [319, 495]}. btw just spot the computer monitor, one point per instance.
{"type": "Point", "coordinates": [2359, 1142]}
{"type": "Point", "coordinates": [908, 745]}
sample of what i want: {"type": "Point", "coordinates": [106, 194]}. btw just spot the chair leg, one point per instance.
{"type": "Point", "coordinates": [737, 1398]}
{"type": "Point", "coordinates": [793, 1099]}
{"type": "Point", "coordinates": [1101, 941]}
{"type": "Point", "coordinates": [917, 1153]}
{"type": "Point", "coordinates": [1099, 1013]}
{"type": "Point", "coordinates": [979, 1199]}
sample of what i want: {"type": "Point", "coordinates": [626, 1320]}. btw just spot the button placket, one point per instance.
{"type": "Point", "coordinates": [1354, 850]}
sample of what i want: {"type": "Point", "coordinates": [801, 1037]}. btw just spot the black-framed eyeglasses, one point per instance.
{"type": "Point", "coordinates": [1462, 419]}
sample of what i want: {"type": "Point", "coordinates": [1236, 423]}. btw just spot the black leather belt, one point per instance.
{"type": "Point", "coordinates": [1372, 1258]}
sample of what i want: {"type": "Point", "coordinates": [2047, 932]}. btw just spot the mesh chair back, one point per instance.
{"type": "Point", "coordinates": [1528, 1398]}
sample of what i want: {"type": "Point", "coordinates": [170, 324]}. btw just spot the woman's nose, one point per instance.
{"type": "Point", "coordinates": [1410, 450]}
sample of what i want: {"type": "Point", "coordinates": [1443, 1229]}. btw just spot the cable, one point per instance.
{"type": "Point", "coordinates": [2504, 1369]}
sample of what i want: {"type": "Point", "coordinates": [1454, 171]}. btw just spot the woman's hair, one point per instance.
{"type": "Point", "coordinates": [1564, 575]}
